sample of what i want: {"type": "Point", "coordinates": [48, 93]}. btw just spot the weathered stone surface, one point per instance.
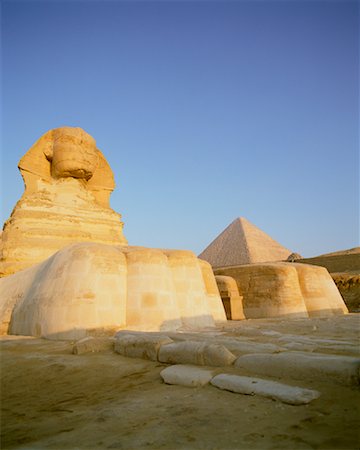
{"type": "Point", "coordinates": [189, 376]}
{"type": "Point", "coordinates": [85, 289]}
{"type": "Point", "coordinates": [319, 291]}
{"type": "Point", "coordinates": [67, 188]}
{"type": "Point", "coordinates": [256, 386]}
{"type": "Point", "coordinates": [268, 290]}
{"type": "Point", "coordinates": [237, 346]}
{"type": "Point", "coordinates": [318, 345]}
{"type": "Point", "coordinates": [344, 267]}
{"type": "Point", "coordinates": [212, 291]}
{"type": "Point", "coordinates": [144, 345]}
{"type": "Point", "coordinates": [91, 344]}
{"type": "Point", "coordinates": [230, 297]}
{"type": "Point", "coordinates": [246, 347]}
{"type": "Point", "coordinates": [285, 289]}
{"type": "Point", "coordinates": [197, 353]}
{"type": "Point", "coordinates": [79, 291]}
{"type": "Point", "coordinates": [298, 365]}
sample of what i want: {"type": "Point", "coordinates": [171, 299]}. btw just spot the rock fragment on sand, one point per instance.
{"type": "Point", "coordinates": [140, 345]}
{"type": "Point", "coordinates": [92, 344]}
{"type": "Point", "coordinates": [256, 386]}
{"type": "Point", "coordinates": [300, 365]}
{"type": "Point", "coordinates": [197, 353]}
{"type": "Point", "coordinates": [186, 375]}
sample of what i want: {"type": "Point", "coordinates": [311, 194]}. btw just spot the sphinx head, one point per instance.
{"type": "Point", "coordinates": [73, 153]}
{"type": "Point", "coordinates": [67, 152]}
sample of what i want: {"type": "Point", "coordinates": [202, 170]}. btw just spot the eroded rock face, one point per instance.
{"type": "Point", "coordinates": [90, 289]}
{"type": "Point", "coordinates": [68, 183]}
{"type": "Point", "coordinates": [230, 297]}
{"type": "Point", "coordinates": [286, 289]}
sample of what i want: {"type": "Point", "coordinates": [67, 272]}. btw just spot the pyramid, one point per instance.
{"type": "Point", "coordinates": [243, 243]}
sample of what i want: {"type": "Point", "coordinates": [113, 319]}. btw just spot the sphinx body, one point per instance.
{"type": "Point", "coordinates": [89, 289]}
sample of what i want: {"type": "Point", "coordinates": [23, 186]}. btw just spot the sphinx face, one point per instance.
{"type": "Point", "coordinates": [74, 154]}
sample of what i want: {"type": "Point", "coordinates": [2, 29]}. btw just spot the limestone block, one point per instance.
{"type": "Point", "coordinates": [285, 289]}
{"type": "Point", "coordinates": [89, 289]}
{"type": "Point", "coordinates": [217, 310]}
{"type": "Point", "coordinates": [188, 352]}
{"type": "Point", "coordinates": [320, 293]}
{"type": "Point", "coordinates": [12, 289]}
{"type": "Point", "coordinates": [230, 297]}
{"type": "Point", "coordinates": [298, 365]}
{"type": "Point", "coordinates": [256, 386]}
{"type": "Point", "coordinates": [151, 298]}
{"type": "Point", "coordinates": [235, 345]}
{"type": "Point", "coordinates": [196, 353]}
{"type": "Point", "coordinates": [91, 344]}
{"type": "Point", "coordinates": [217, 355]}
{"type": "Point", "coordinates": [189, 376]}
{"type": "Point", "coordinates": [268, 290]}
{"type": "Point", "coordinates": [246, 347]}
{"type": "Point", "coordinates": [64, 201]}
{"type": "Point", "coordinates": [144, 345]}
{"type": "Point", "coordinates": [67, 297]}
{"type": "Point", "coordinates": [191, 293]}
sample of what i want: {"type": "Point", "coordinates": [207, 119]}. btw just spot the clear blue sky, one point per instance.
{"type": "Point", "coordinates": [206, 111]}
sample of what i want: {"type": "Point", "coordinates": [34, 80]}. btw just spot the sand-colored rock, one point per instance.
{"type": "Point", "coordinates": [319, 291]}
{"type": "Point", "coordinates": [140, 345]}
{"type": "Point", "coordinates": [292, 395]}
{"type": "Point", "coordinates": [68, 183]}
{"type": "Point", "coordinates": [243, 243]}
{"type": "Point", "coordinates": [230, 297]}
{"type": "Point", "coordinates": [184, 375]}
{"type": "Point", "coordinates": [344, 267]}
{"type": "Point", "coordinates": [196, 353]}
{"type": "Point", "coordinates": [285, 289]}
{"type": "Point", "coordinates": [92, 344]}
{"type": "Point", "coordinates": [302, 365]}
{"type": "Point", "coordinates": [89, 289]}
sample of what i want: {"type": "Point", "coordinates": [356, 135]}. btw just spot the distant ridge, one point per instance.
{"type": "Point", "coordinates": [243, 243]}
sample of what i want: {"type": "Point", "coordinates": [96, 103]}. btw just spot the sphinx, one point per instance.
{"type": "Point", "coordinates": [67, 271]}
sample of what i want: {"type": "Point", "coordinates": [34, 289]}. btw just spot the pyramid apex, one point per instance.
{"type": "Point", "coordinates": [244, 244]}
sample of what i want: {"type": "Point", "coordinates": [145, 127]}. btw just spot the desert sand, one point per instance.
{"type": "Point", "coordinates": [53, 399]}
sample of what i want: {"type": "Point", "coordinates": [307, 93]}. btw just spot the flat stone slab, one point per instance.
{"type": "Point", "coordinates": [299, 365]}
{"type": "Point", "coordinates": [238, 347]}
{"type": "Point", "coordinates": [306, 343]}
{"type": "Point", "coordinates": [185, 375]}
{"type": "Point", "coordinates": [256, 386]}
{"type": "Point", "coordinates": [140, 345]}
{"type": "Point", "coordinates": [197, 353]}
{"type": "Point", "coordinates": [91, 344]}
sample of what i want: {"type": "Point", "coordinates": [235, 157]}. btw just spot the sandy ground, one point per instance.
{"type": "Point", "coordinates": [52, 399]}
